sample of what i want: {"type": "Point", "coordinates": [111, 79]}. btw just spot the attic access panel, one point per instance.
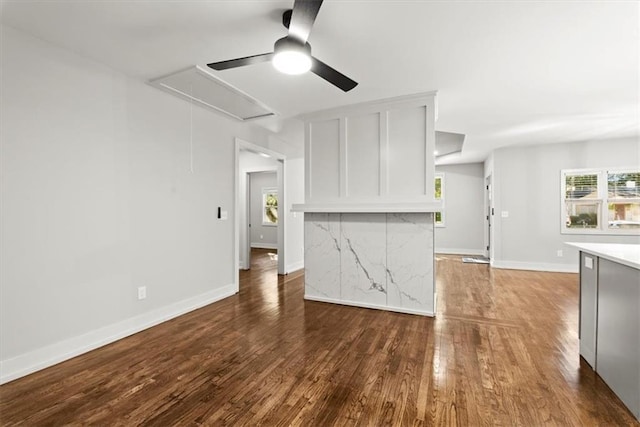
{"type": "Point", "coordinates": [198, 85]}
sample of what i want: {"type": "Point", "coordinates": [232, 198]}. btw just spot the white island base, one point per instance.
{"type": "Point", "coordinates": [373, 260]}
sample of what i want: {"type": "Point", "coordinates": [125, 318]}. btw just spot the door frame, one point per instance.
{"type": "Point", "coordinates": [488, 210]}
{"type": "Point", "coordinates": [242, 145]}
{"type": "Point", "coordinates": [246, 224]}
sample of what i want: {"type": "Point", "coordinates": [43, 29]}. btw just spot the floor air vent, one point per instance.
{"type": "Point", "coordinates": [198, 85]}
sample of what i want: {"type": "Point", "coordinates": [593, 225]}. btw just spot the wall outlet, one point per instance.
{"type": "Point", "coordinates": [142, 292]}
{"type": "Point", "coordinates": [559, 253]}
{"type": "Point", "coordinates": [588, 262]}
{"type": "Point", "coordinates": [261, 237]}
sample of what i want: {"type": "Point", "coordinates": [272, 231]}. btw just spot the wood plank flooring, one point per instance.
{"type": "Point", "coordinates": [502, 351]}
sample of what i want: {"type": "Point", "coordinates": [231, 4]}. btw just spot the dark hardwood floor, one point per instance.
{"type": "Point", "coordinates": [502, 351]}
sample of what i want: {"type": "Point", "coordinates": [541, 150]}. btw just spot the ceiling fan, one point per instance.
{"type": "Point", "coordinates": [292, 54]}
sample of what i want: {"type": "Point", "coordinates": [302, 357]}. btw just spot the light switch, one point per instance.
{"type": "Point", "coordinates": [504, 214]}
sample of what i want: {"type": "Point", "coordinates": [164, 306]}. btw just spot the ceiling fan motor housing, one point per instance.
{"type": "Point", "coordinates": [291, 45]}
{"type": "Point", "coordinates": [292, 56]}
{"type": "Point", "coordinates": [286, 18]}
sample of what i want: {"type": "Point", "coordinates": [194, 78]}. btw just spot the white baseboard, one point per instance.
{"type": "Point", "coordinates": [535, 266]}
{"type": "Point", "coordinates": [50, 355]}
{"type": "Point", "coordinates": [262, 245]}
{"type": "Point", "coordinates": [290, 268]}
{"type": "Point", "coordinates": [458, 251]}
{"type": "Point", "coordinates": [368, 305]}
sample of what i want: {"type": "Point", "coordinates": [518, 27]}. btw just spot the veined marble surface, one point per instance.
{"type": "Point", "coordinates": [377, 260]}
{"type": "Point", "coordinates": [410, 254]}
{"type": "Point", "coordinates": [322, 254]}
{"type": "Point", "coordinates": [363, 258]}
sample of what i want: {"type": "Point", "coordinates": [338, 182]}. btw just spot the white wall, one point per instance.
{"type": "Point", "coordinates": [98, 198]}
{"type": "Point", "coordinates": [463, 231]}
{"type": "Point", "coordinates": [262, 236]}
{"type": "Point", "coordinates": [526, 184]}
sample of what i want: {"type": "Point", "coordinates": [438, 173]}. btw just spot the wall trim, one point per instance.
{"type": "Point", "coordinates": [388, 205]}
{"type": "Point", "coordinates": [372, 107]}
{"type": "Point", "coordinates": [368, 305]}
{"type": "Point", "coordinates": [262, 245]}
{"type": "Point", "coordinates": [50, 355]}
{"type": "Point", "coordinates": [294, 267]}
{"type": "Point", "coordinates": [459, 251]}
{"type": "Point", "coordinates": [535, 266]}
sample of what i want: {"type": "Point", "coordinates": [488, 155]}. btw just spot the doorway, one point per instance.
{"type": "Point", "coordinates": [252, 158]}
{"type": "Point", "coordinates": [262, 216]}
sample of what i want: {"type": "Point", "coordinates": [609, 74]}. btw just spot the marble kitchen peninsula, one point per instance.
{"type": "Point", "coordinates": [369, 204]}
{"type": "Point", "coordinates": [375, 260]}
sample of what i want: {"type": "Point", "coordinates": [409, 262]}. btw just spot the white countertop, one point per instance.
{"type": "Point", "coordinates": [627, 254]}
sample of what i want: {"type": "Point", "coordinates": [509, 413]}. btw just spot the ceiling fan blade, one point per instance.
{"type": "Point", "coordinates": [241, 62]}
{"type": "Point", "coordinates": [302, 19]}
{"type": "Point", "coordinates": [331, 75]}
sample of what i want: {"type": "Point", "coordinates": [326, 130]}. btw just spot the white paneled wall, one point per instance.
{"type": "Point", "coordinates": [363, 156]}
{"type": "Point", "coordinates": [375, 152]}
{"type": "Point", "coordinates": [406, 164]}
{"type": "Point", "coordinates": [324, 153]}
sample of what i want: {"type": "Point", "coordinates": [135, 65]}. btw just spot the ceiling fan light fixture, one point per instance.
{"type": "Point", "coordinates": [291, 57]}
{"type": "Point", "coordinates": [289, 62]}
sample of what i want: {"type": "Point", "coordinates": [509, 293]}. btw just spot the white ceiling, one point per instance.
{"type": "Point", "coordinates": [507, 73]}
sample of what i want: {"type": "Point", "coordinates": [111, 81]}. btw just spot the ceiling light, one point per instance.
{"type": "Point", "coordinates": [291, 62]}
{"type": "Point", "coordinates": [291, 57]}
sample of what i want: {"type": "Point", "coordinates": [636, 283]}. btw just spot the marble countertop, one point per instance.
{"type": "Point", "coordinates": [627, 254]}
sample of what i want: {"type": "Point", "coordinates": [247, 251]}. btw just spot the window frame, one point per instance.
{"type": "Point", "coordinates": [441, 177]}
{"type": "Point", "coordinates": [602, 199]}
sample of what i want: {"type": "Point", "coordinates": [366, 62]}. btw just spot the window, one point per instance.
{"type": "Point", "coordinates": [439, 195]}
{"type": "Point", "coordinates": [582, 200]}
{"type": "Point", "coordinates": [623, 200]}
{"type": "Point", "coordinates": [269, 206]}
{"type": "Point", "coordinates": [601, 201]}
